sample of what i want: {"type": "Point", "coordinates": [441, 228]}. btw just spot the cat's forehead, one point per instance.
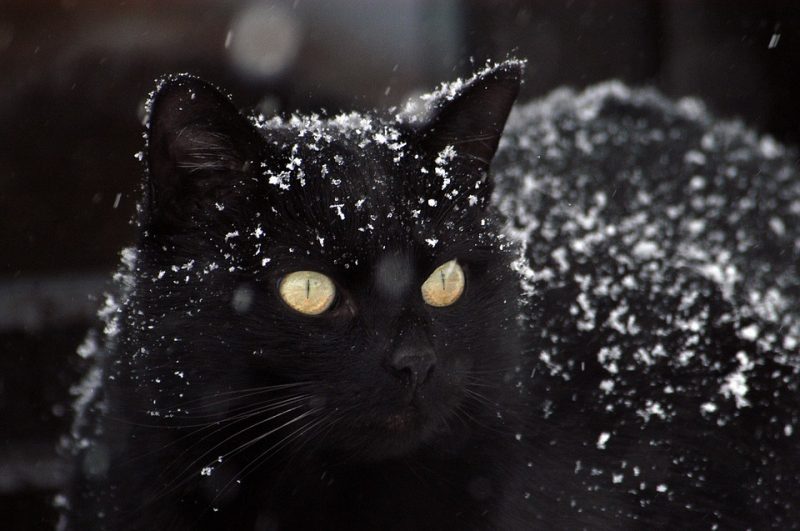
{"type": "Point", "coordinates": [349, 130]}
{"type": "Point", "coordinates": [352, 166]}
{"type": "Point", "coordinates": [355, 185]}
{"type": "Point", "coordinates": [344, 147]}
{"type": "Point", "coordinates": [355, 157]}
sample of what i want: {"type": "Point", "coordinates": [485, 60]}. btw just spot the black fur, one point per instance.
{"type": "Point", "coordinates": [319, 441]}
{"type": "Point", "coordinates": [566, 401]}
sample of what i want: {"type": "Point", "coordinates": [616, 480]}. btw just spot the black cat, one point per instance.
{"type": "Point", "coordinates": [332, 323]}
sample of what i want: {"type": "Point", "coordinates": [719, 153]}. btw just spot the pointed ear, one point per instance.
{"type": "Point", "coordinates": [198, 143]}
{"type": "Point", "coordinates": [473, 119]}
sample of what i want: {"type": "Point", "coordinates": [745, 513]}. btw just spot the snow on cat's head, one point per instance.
{"type": "Point", "coordinates": [353, 261]}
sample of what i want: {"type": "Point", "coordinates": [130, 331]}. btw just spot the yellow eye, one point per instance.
{"type": "Point", "coordinates": [307, 292]}
{"type": "Point", "coordinates": [445, 285]}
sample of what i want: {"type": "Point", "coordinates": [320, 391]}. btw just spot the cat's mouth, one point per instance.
{"type": "Point", "coordinates": [394, 433]}
{"type": "Point", "coordinates": [396, 426]}
{"type": "Point", "coordinates": [406, 420]}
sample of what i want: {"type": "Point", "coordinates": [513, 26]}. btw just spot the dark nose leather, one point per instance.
{"type": "Point", "coordinates": [413, 365]}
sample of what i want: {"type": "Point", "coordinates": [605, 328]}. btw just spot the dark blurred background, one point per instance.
{"type": "Point", "coordinates": [74, 75]}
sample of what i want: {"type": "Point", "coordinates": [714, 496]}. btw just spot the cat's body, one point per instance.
{"type": "Point", "coordinates": [664, 317]}
{"type": "Point", "coordinates": [646, 384]}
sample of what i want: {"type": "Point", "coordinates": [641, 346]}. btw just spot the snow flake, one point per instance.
{"type": "Point", "coordinates": [736, 386]}
{"type": "Point", "coordinates": [750, 332]}
{"type": "Point", "coordinates": [695, 157]}
{"type": "Point", "coordinates": [339, 211]}
{"type": "Point", "coordinates": [281, 180]}
{"type": "Point", "coordinates": [708, 407]}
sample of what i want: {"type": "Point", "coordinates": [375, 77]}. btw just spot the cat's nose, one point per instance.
{"type": "Point", "coordinates": [413, 365]}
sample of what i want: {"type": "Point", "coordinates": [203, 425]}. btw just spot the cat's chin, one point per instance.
{"type": "Point", "coordinates": [395, 435]}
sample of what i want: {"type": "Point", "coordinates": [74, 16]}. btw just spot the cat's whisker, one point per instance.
{"type": "Point", "coordinates": [242, 411]}
{"type": "Point", "coordinates": [248, 428]}
{"type": "Point", "coordinates": [442, 419]}
{"type": "Point", "coordinates": [317, 433]}
{"type": "Point", "coordinates": [510, 426]}
{"type": "Point", "coordinates": [329, 423]}
{"type": "Point", "coordinates": [266, 453]}
{"type": "Point", "coordinates": [243, 393]}
{"type": "Point", "coordinates": [228, 421]}
{"type": "Point", "coordinates": [332, 418]}
{"type": "Point", "coordinates": [205, 454]}
{"type": "Point", "coordinates": [305, 433]}
{"type": "Point", "coordinates": [219, 418]}
{"type": "Point", "coordinates": [457, 413]}
{"type": "Point", "coordinates": [257, 439]}
{"type": "Point", "coordinates": [479, 383]}
{"type": "Point", "coordinates": [477, 422]}
{"type": "Point", "coordinates": [480, 397]}
{"type": "Point", "coordinates": [220, 425]}
{"type": "Point", "coordinates": [177, 484]}
{"type": "Point", "coordinates": [482, 372]}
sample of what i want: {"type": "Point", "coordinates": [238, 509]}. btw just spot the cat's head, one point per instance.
{"type": "Point", "coordinates": [351, 265]}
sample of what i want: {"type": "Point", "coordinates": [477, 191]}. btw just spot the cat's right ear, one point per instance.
{"type": "Point", "coordinates": [198, 144]}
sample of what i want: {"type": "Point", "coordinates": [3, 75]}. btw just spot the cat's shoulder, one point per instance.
{"type": "Point", "coordinates": [662, 248]}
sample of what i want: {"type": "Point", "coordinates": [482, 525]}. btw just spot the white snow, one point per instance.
{"type": "Point", "coordinates": [750, 332]}
{"type": "Point", "coordinates": [735, 386]}
{"type": "Point", "coordinates": [339, 210]}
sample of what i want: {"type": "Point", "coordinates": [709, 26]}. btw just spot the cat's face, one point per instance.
{"type": "Point", "coordinates": [353, 265]}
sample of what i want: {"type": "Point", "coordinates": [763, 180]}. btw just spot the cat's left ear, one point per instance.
{"type": "Point", "coordinates": [472, 119]}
